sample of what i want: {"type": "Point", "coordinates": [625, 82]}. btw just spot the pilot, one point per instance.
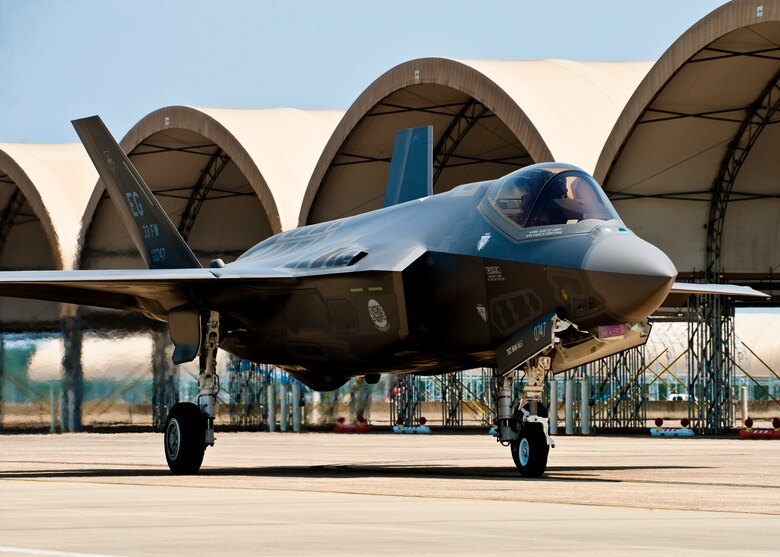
{"type": "Point", "coordinates": [548, 209]}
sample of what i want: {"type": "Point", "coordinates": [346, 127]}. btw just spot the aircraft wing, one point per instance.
{"type": "Point", "coordinates": [681, 291]}
{"type": "Point", "coordinates": [149, 291]}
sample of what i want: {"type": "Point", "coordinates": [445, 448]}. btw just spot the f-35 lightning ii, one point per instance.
{"type": "Point", "coordinates": [532, 271]}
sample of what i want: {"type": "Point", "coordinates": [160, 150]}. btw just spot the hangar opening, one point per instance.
{"type": "Point", "coordinates": [489, 118]}
{"type": "Point", "coordinates": [207, 197]}
{"type": "Point", "coordinates": [204, 167]}
{"type": "Point", "coordinates": [691, 164]}
{"type": "Point", "coordinates": [208, 186]}
{"type": "Point", "coordinates": [473, 137]}
{"type": "Point", "coordinates": [40, 197]}
{"type": "Point", "coordinates": [470, 144]}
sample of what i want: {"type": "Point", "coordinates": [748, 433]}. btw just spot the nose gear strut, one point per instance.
{"type": "Point", "coordinates": [524, 426]}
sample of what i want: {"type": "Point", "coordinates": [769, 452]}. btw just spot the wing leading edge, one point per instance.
{"type": "Point", "coordinates": [147, 291]}
{"type": "Point", "coordinates": [681, 291]}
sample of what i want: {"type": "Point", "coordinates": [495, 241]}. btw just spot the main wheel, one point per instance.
{"type": "Point", "coordinates": [530, 451]}
{"type": "Point", "coordinates": [185, 438]}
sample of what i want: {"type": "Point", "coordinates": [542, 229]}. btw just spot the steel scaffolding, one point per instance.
{"type": "Point", "coordinates": [405, 401]}
{"type": "Point", "coordinates": [452, 399]}
{"type": "Point", "coordinates": [247, 386]}
{"type": "Point", "coordinates": [618, 389]}
{"type": "Point", "coordinates": [711, 349]}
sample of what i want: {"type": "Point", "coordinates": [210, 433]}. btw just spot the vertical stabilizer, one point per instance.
{"type": "Point", "coordinates": [158, 241]}
{"type": "Point", "coordinates": [411, 170]}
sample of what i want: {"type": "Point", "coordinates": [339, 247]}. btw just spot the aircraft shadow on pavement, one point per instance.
{"type": "Point", "coordinates": [554, 473]}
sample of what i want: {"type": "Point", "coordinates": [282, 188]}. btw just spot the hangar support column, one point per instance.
{"type": "Point", "coordinates": [164, 378]}
{"type": "Point", "coordinates": [710, 364]}
{"type": "Point", "coordinates": [73, 375]}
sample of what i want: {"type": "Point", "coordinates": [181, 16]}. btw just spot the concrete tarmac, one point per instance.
{"type": "Point", "coordinates": [384, 494]}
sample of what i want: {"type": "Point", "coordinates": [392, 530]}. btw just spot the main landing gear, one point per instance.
{"type": "Point", "coordinates": [524, 426]}
{"type": "Point", "coordinates": [189, 428]}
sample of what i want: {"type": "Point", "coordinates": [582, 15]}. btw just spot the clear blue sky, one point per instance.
{"type": "Point", "coordinates": [63, 59]}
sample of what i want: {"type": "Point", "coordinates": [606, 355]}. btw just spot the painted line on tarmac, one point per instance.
{"type": "Point", "coordinates": [50, 552]}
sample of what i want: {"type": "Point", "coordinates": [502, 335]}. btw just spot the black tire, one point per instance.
{"type": "Point", "coordinates": [184, 438]}
{"type": "Point", "coordinates": [530, 451]}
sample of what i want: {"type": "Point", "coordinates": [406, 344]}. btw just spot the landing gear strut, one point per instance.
{"type": "Point", "coordinates": [524, 426]}
{"type": "Point", "coordinates": [189, 428]}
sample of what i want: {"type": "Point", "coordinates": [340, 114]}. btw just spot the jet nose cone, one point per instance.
{"type": "Point", "coordinates": [632, 276]}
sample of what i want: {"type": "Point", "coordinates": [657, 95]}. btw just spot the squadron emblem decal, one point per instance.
{"type": "Point", "coordinates": [378, 315]}
{"type": "Point", "coordinates": [109, 161]}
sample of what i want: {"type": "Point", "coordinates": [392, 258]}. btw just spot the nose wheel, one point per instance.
{"type": "Point", "coordinates": [185, 434]}
{"type": "Point", "coordinates": [530, 450]}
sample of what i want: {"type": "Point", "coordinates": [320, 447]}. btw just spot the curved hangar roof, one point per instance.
{"type": "Point", "coordinates": [695, 150]}
{"type": "Point", "coordinates": [43, 191]}
{"type": "Point", "coordinates": [228, 178]}
{"type": "Point", "coordinates": [489, 118]}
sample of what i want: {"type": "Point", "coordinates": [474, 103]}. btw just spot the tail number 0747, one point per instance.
{"type": "Point", "coordinates": [157, 255]}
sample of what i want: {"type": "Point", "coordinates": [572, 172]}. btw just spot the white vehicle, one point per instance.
{"type": "Point", "coordinates": [676, 397]}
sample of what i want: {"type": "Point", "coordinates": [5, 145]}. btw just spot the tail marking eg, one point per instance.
{"type": "Point", "coordinates": [153, 233]}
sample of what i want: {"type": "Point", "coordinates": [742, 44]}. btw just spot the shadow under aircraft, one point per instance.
{"type": "Point", "coordinates": [532, 271]}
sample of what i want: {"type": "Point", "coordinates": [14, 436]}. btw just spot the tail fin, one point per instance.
{"type": "Point", "coordinates": [160, 244]}
{"type": "Point", "coordinates": [411, 170]}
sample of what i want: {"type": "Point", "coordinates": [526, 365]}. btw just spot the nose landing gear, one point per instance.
{"type": "Point", "coordinates": [524, 426]}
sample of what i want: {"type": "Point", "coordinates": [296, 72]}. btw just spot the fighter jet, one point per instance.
{"type": "Point", "coordinates": [532, 271]}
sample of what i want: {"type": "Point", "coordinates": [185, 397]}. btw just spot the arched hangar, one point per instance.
{"type": "Point", "coordinates": [693, 156]}
{"type": "Point", "coordinates": [228, 178]}
{"type": "Point", "coordinates": [43, 191]}
{"type": "Point", "coordinates": [489, 118]}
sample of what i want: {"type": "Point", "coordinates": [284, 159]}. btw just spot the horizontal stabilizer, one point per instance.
{"type": "Point", "coordinates": [411, 170]}
{"type": "Point", "coordinates": [158, 241]}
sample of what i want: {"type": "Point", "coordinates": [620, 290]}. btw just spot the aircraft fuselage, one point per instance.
{"type": "Point", "coordinates": [432, 285]}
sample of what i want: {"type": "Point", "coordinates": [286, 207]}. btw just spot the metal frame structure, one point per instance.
{"type": "Point", "coordinates": [618, 390]}
{"type": "Point", "coordinates": [200, 192]}
{"type": "Point", "coordinates": [711, 341]}
{"type": "Point", "coordinates": [12, 214]}
{"type": "Point", "coordinates": [247, 385]}
{"type": "Point", "coordinates": [759, 115]}
{"type": "Point", "coordinates": [466, 118]}
{"type": "Point", "coordinates": [405, 403]}
{"type": "Point", "coordinates": [452, 399]}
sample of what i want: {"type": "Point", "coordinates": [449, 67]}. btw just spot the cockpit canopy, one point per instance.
{"type": "Point", "coordinates": [549, 194]}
